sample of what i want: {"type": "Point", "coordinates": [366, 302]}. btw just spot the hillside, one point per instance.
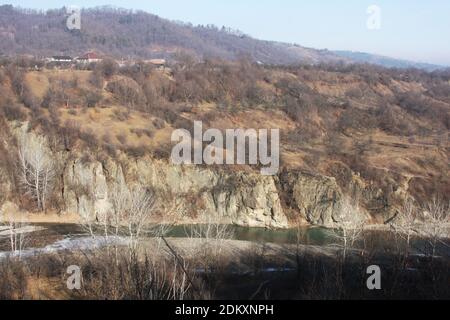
{"type": "Point", "coordinates": [375, 135]}
{"type": "Point", "coordinates": [136, 34]}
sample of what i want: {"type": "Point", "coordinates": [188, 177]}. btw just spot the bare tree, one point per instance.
{"type": "Point", "coordinates": [37, 168]}
{"type": "Point", "coordinates": [211, 231]}
{"type": "Point", "coordinates": [131, 210]}
{"type": "Point", "coordinates": [16, 226]}
{"type": "Point", "coordinates": [119, 199]}
{"type": "Point", "coordinates": [141, 205]}
{"type": "Point", "coordinates": [350, 225]}
{"type": "Point", "coordinates": [436, 216]}
{"type": "Point", "coordinates": [406, 222]}
{"type": "Point", "coordinates": [210, 238]}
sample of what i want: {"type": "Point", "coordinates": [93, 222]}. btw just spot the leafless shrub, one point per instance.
{"type": "Point", "coordinates": [97, 79]}
{"type": "Point", "coordinates": [123, 277]}
{"type": "Point", "coordinates": [211, 237]}
{"type": "Point", "coordinates": [355, 93]}
{"type": "Point", "coordinates": [110, 149]}
{"type": "Point", "coordinates": [29, 99]}
{"type": "Point", "coordinates": [335, 145]}
{"type": "Point", "coordinates": [162, 151]}
{"type": "Point", "coordinates": [312, 159]}
{"type": "Point", "coordinates": [13, 112]}
{"type": "Point", "coordinates": [435, 226]}
{"type": "Point", "coordinates": [13, 279]}
{"type": "Point", "coordinates": [121, 115]}
{"type": "Point", "coordinates": [2, 76]}
{"type": "Point", "coordinates": [356, 119]}
{"type": "Point", "coordinates": [350, 225]}
{"type": "Point", "coordinates": [136, 151]}
{"type": "Point", "coordinates": [107, 67]}
{"type": "Point", "coordinates": [122, 138]}
{"type": "Point", "coordinates": [17, 77]}
{"type": "Point", "coordinates": [361, 147]}
{"type": "Point", "coordinates": [141, 132]}
{"type": "Point", "coordinates": [89, 138]}
{"type": "Point", "coordinates": [92, 98]}
{"type": "Point", "coordinates": [159, 123]}
{"type": "Point", "coordinates": [127, 92]}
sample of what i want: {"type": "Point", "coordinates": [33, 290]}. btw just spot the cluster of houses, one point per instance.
{"type": "Point", "coordinates": [89, 57]}
{"type": "Point", "coordinates": [92, 57]}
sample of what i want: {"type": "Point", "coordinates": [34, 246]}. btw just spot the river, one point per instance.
{"type": "Point", "coordinates": [54, 237]}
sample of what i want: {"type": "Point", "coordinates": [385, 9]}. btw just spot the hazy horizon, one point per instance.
{"type": "Point", "coordinates": [408, 28]}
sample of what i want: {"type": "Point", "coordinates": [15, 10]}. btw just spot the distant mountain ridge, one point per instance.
{"type": "Point", "coordinates": [136, 34]}
{"type": "Point", "coordinates": [385, 61]}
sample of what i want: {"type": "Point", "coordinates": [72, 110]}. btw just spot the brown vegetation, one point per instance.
{"type": "Point", "coordinates": [397, 127]}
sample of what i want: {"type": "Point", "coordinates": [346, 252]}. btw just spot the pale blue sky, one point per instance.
{"type": "Point", "coordinates": [411, 29]}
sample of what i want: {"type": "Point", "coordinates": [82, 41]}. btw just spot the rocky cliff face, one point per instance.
{"type": "Point", "coordinates": [190, 194]}
{"type": "Point", "coordinates": [193, 194]}
{"type": "Point", "coordinates": [316, 198]}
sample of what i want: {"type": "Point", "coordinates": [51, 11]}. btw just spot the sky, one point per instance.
{"type": "Point", "coordinates": [417, 30]}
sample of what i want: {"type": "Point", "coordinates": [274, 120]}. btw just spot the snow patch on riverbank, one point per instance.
{"type": "Point", "coordinates": [5, 231]}
{"type": "Point", "coordinates": [68, 244]}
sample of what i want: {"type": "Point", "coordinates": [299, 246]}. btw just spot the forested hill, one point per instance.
{"type": "Point", "coordinates": [137, 34]}
{"type": "Point", "coordinates": [124, 33]}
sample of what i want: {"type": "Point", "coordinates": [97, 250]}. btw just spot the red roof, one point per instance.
{"type": "Point", "coordinates": [89, 56]}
